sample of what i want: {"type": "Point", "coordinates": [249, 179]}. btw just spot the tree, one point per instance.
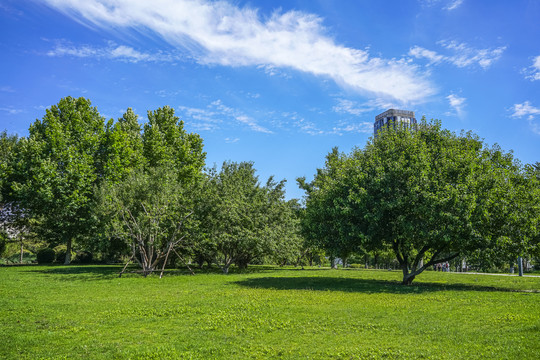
{"type": "Point", "coordinates": [59, 166]}
{"type": "Point", "coordinates": [242, 220]}
{"type": "Point", "coordinates": [148, 198]}
{"type": "Point", "coordinates": [149, 209]}
{"type": "Point", "coordinates": [14, 222]}
{"type": "Point", "coordinates": [428, 195]}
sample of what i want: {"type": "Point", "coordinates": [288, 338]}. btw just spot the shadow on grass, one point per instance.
{"type": "Point", "coordinates": [358, 285]}
{"type": "Point", "coordinates": [104, 272]}
{"type": "Point", "coordinates": [81, 272]}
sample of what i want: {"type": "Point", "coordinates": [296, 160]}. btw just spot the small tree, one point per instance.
{"type": "Point", "coordinates": [149, 202]}
{"type": "Point", "coordinates": [150, 210]}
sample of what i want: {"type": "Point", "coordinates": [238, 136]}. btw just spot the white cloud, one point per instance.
{"type": "Point", "coordinates": [530, 112]}
{"type": "Point", "coordinates": [458, 103]}
{"type": "Point", "coordinates": [533, 72]}
{"type": "Point", "coordinates": [112, 51]}
{"type": "Point", "coordinates": [11, 111]}
{"type": "Point", "coordinates": [419, 52]}
{"type": "Point", "coordinates": [462, 55]}
{"type": "Point", "coordinates": [231, 140]}
{"type": "Point", "coordinates": [224, 34]}
{"type": "Point", "coordinates": [454, 4]}
{"type": "Point", "coordinates": [361, 127]}
{"type": "Point", "coordinates": [345, 106]}
{"type": "Point", "coordinates": [210, 118]}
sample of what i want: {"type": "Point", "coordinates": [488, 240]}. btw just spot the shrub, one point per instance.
{"type": "Point", "coordinates": [84, 257]}
{"type": "Point", "coordinates": [45, 256]}
{"type": "Point", "coordinates": [61, 256]}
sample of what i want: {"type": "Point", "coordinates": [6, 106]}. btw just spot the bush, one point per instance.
{"type": "Point", "coordinates": [45, 256]}
{"type": "Point", "coordinates": [61, 256]}
{"type": "Point", "coordinates": [84, 257]}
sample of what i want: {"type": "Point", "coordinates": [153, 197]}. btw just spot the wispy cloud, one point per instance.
{"type": "Point", "coordinates": [7, 89]}
{"type": "Point", "coordinates": [533, 72]}
{"type": "Point", "coordinates": [530, 113]}
{"type": "Point", "coordinates": [225, 34]}
{"type": "Point", "coordinates": [11, 111]}
{"type": "Point", "coordinates": [210, 118]}
{"type": "Point", "coordinates": [460, 54]}
{"type": "Point", "coordinates": [452, 5]}
{"type": "Point", "coordinates": [457, 103]}
{"type": "Point", "coordinates": [345, 106]}
{"type": "Point", "coordinates": [365, 127]}
{"type": "Point", "coordinates": [111, 51]}
{"type": "Point", "coordinates": [240, 117]}
{"type": "Point", "coordinates": [447, 4]}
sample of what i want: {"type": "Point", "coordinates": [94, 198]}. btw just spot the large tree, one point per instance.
{"type": "Point", "coordinates": [428, 195]}
{"type": "Point", "coordinates": [59, 164]}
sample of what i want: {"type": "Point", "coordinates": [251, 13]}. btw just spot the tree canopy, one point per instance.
{"type": "Point", "coordinates": [429, 195]}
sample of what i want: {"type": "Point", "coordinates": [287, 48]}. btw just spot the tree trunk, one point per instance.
{"type": "Point", "coordinates": [21, 254]}
{"type": "Point", "coordinates": [407, 277]}
{"type": "Point", "coordinates": [68, 253]}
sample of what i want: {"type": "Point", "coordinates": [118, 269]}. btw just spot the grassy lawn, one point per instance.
{"type": "Point", "coordinates": [266, 313]}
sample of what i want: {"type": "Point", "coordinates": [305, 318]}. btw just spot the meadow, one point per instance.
{"type": "Point", "coordinates": [76, 312]}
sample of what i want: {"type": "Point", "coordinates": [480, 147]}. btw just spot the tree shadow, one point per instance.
{"type": "Point", "coordinates": [368, 286]}
{"type": "Point", "coordinates": [81, 272]}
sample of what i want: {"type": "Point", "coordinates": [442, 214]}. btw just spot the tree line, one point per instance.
{"type": "Point", "coordinates": [142, 193]}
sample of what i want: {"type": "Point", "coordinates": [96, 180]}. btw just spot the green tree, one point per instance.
{"type": "Point", "coordinates": [149, 209]}
{"type": "Point", "coordinates": [58, 167]}
{"type": "Point", "coordinates": [8, 152]}
{"type": "Point", "coordinates": [428, 195]}
{"type": "Point", "coordinates": [147, 201]}
{"type": "Point", "coordinates": [242, 220]}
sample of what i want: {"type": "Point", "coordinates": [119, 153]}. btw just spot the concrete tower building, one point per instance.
{"type": "Point", "coordinates": [401, 118]}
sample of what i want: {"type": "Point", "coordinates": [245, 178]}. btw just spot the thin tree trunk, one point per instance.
{"type": "Point", "coordinates": [22, 253]}
{"type": "Point", "coordinates": [68, 253]}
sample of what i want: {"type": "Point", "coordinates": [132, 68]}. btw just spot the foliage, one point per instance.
{"type": "Point", "coordinates": [84, 257]}
{"type": "Point", "coordinates": [149, 210]}
{"type": "Point", "coordinates": [45, 256]}
{"type": "Point", "coordinates": [243, 221]}
{"type": "Point", "coordinates": [8, 150]}
{"type": "Point", "coordinates": [269, 313]}
{"type": "Point", "coordinates": [58, 166]}
{"type": "Point", "coordinates": [428, 195]}
{"type": "Point", "coordinates": [3, 240]}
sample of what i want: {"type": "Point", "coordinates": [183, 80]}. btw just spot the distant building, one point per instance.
{"type": "Point", "coordinates": [400, 118]}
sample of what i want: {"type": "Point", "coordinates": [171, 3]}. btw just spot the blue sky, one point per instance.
{"type": "Point", "coordinates": [280, 82]}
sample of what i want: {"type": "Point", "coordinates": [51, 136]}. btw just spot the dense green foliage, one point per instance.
{"type": "Point", "coordinates": [58, 167]}
{"type": "Point", "coordinates": [126, 191]}
{"type": "Point", "coordinates": [129, 191]}
{"type": "Point", "coordinates": [87, 312]}
{"type": "Point", "coordinates": [242, 221]}
{"type": "Point", "coordinates": [45, 256]}
{"type": "Point", "coordinates": [429, 195]}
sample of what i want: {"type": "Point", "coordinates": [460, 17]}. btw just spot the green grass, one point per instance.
{"type": "Point", "coordinates": [267, 313]}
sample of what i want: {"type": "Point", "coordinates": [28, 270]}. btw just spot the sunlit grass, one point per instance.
{"type": "Point", "coordinates": [88, 312]}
